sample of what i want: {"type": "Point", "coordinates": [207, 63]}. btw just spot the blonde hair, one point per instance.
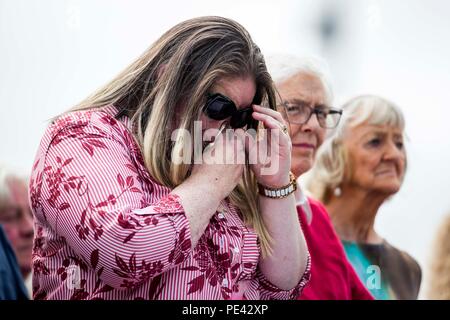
{"type": "Point", "coordinates": [439, 284]}
{"type": "Point", "coordinates": [332, 165]}
{"type": "Point", "coordinates": [181, 67]}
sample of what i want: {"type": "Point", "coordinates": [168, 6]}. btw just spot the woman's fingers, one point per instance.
{"type": "Point", "coordinates": [274, 114]}
{"type": "Point", "coordinates": [276, 129]}
{"type": "Point", "coordinates": [268, 120]}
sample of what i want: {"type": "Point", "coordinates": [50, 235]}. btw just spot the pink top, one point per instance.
{"type": "Point", "coordinates": [104, 229]}
{"type": "Point", "coordinates": [332, 275]}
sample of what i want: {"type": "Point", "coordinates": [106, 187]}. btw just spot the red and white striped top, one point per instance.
{"type": "Point", "coordinates": [104, 229]}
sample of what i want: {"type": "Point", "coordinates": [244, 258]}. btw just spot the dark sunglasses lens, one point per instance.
{"type": "Point", "coordinates": [242, 118]}
{"type": "Point", "coordinates": [253, 124]}
{"type": "Point", "coordinates": [218, 107]}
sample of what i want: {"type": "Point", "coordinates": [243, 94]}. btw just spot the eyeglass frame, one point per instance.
{"type": "Point", "coordinates": [313, 110]}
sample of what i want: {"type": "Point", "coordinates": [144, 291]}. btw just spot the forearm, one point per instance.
{"type": "Point", "coordinates": [200, 202]}
{"type": "Point", "coordinates": [285, 267]}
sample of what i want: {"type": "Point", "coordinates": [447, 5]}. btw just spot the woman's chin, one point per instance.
{"type": "Point", "coordinates": [300, 167]}
{"type": "Point", "coordinates": [388, 189]}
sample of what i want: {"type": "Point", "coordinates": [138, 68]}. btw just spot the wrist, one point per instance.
{"type": "Point", "coordinates": [279, 192]}
{"type": "Point", "coordinates": [275, 182]}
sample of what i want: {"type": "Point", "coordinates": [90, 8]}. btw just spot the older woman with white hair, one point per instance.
{"type": "Point", "coordinates": [357, 169]}
{"type": "Point", "coordinates": [305, 99]}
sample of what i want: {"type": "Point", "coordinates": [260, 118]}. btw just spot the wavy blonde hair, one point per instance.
{"type": "Point", "coordinates": [179, 69]}
{"type": "Point", "coordinates": [332, 164]}
{"type": "Point", "coordinates": [439, 284]}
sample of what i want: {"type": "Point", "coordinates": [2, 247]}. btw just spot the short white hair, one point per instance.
{"type": "Point", "coordinates": [6, 175]}
{"type": "Point", "coordinates": [283, 66]}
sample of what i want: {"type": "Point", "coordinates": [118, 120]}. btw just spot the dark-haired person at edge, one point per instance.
{"type": "Point", "coordinates": [11, 282]}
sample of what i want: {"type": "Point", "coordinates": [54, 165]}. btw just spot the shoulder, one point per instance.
{"type": "Point", "coordinates": [408, 263]}
{"type": "Point", "coordinates": [318, 209]}
{"type": "Point", "coordinates": [316, 204]}
{"type": "Point", "coordinates": [321, 222]}
{"type": "Point", "coordinates": [100, 118]}
{"type": "Point", "coordinates": [88, 125]}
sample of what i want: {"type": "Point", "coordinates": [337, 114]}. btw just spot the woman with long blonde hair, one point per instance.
{"type": "Point", "coordinates": [438, 286]}
{"type": "Point", "coordinates": [124, 209]}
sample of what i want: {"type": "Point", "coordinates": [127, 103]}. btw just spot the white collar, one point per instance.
{"type": "Point", "coordinates": [302, 201]}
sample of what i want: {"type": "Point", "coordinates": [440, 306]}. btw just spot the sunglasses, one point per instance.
{"type": "Point", "coordinates": [219, 107]}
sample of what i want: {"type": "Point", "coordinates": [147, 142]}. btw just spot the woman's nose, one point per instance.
{"type": "Point", "coordinates": [393, 152]}
{"type": "Point", "coordinates": [311, 125]}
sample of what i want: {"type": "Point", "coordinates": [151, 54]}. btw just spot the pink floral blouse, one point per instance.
{"type": "Point", "coordinates": [104, 229]}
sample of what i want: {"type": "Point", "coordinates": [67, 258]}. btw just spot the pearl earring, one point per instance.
{"type": "Point", "coordinates": [337, 192]}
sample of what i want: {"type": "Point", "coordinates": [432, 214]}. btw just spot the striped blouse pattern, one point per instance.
{"type": "Point", "coordinates": [104, 229]}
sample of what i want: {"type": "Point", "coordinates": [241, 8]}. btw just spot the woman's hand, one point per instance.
{"type": "Point", "coordinates": [270, 152]}
{"type": "Point", "coordinates": [222, 164]}
{"type": "Point", "coordinates": [211, 181]}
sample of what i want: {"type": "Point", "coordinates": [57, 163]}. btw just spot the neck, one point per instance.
{"type": "Point", "coordinates": [353, 215]}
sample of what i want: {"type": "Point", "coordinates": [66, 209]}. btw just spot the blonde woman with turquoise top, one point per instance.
{"type": "Point", "coordinates": [359, 167]}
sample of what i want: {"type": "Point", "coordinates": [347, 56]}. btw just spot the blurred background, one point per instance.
{"type": "Point", "coordinates": [53, 53]}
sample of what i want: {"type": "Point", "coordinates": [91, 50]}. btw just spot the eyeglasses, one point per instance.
{"type": "Point", "coordinates": [301, 112]}
{"type": "Point", "coordinates": [219, 107]}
